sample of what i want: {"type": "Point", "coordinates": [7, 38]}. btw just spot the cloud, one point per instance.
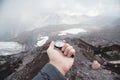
{"type": "Point", "coordinates": [20, 15]}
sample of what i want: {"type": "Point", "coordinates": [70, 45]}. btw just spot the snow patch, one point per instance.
{"type": "Point", "coordinates": [42, 41]}
{"type": "Point", "coordinates": [72, 31]}
{"type": "Point", "coordinates": [9, 48]}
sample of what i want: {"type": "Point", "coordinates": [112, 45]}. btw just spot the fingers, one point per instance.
{"type": "Point", "coordinates": [68, 50]}
{"type": "Point", "coordinates": [71, 53]}
{"type": "Point", "coordinates": [65, 46]}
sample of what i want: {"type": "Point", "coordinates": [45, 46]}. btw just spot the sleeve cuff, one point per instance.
{"type": "Point", "coordinates": [52, 72]}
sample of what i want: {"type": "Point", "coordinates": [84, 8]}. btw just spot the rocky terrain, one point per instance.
{"type": "Point", "coordinates": [103, 46]}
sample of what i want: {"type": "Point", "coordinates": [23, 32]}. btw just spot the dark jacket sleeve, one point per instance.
{"type": "Point", "coordinates": [49, 72]}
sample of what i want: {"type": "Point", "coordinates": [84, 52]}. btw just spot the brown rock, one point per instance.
{"type": "Point", "coordinates": [96, 65]}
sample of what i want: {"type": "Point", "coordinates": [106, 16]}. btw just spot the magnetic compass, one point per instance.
{"type": "Point", "coordinates": [59, 44]}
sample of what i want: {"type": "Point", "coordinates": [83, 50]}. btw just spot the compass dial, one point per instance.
{"type": "Point", "coordinates": [59, 43]}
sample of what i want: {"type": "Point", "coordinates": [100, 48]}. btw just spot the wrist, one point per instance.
{"type": "Point", "coordinates": [58, 67]}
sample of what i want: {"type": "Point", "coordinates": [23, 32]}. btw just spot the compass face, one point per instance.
{"type": "Point", "coordinates": [59, 43]}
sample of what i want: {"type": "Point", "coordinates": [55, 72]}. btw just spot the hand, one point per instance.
{"type": "Point", "coordinates": [62, 61]}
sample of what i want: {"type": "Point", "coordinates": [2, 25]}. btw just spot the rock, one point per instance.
{"type": "Point", "coordinates": [26, 65]}
{"type": "Point", "coordinates": [96, 65]}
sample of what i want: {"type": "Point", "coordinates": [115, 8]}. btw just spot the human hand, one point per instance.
{"type": "Point", "coordinates": [62, 61]}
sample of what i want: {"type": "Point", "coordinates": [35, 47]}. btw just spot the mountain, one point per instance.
{"type": "Point", "coordinates": [11, 28]}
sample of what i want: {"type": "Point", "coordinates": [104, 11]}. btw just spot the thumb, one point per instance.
{"type": "Point", "coordinates": [51, 45]}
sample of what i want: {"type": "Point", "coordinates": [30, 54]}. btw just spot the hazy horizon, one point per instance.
{"type": "Point", "coordinates": [22, 15]}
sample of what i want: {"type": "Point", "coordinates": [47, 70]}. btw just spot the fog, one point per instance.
{"type": "Point", "coordinates": [17, 16]}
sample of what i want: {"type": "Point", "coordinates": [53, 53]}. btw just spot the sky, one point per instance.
{"type": "Point", "coordinates": [21, 15]}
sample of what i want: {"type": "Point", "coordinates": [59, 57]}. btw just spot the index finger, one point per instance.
{"type": "Point", "coordinates": [65, 46]}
